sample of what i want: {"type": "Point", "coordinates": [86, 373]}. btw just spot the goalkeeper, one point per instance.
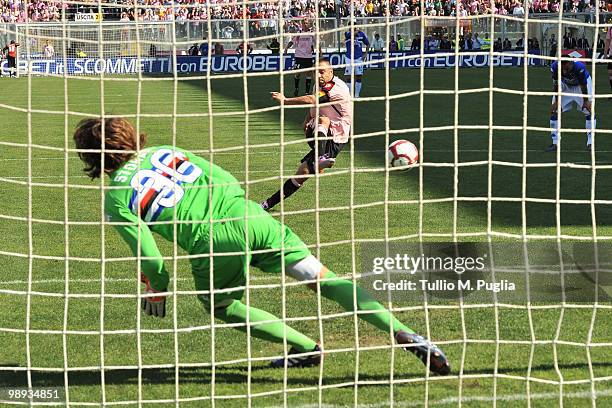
{"type": "Point", "coordinates": [178, 195]}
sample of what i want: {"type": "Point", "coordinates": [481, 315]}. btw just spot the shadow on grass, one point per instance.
{"type": "Point", "coordinates": [236, 374]}
{"type": "Point", "coordinates": [473, 145]}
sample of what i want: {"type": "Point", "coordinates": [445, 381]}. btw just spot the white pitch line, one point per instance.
{"type": "Point", "coordinates": [456, 400]}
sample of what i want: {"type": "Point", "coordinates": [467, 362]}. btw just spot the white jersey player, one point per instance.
{"type": "Point", "coordinates": [327, 133]}
{"type": "Point", "coordinates": [304, 44]}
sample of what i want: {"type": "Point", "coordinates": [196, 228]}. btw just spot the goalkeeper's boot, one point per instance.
{"type": "Point", "coordinates": [422, 348]}
{"type": "Point", "coordinates": [551, 148]}
{"type": "Point", "coordinates": [300, 359]}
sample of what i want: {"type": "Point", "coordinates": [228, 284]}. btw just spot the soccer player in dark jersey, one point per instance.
{"type": "Point", "coordinates": [575, 79]}
{"type": "Point", "coordinates": [354, 58]}
{"type": "Point", "coordinates": [185, 199]}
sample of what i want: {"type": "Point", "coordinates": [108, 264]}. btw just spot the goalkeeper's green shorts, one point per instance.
{"type": "Point", "coordinates": [231, 259]}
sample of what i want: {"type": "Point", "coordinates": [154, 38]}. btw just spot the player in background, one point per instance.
{"type": "Point", "coordinates": [11, 57]}
{"type": "Point", "coordinates": [185, 199]}
{"type": "Point", "coordinates": [575, 79]}
{"type": "Point", "coordinates": [608, 54]}
{"type": "Point", "coordinates": [304, 44]}
{"type": "Point", "coordinates": [355, 54]}
{"type": "Point", "coordinates": [334, 121]}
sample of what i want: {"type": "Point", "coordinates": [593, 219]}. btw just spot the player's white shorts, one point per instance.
{"type": "Point", "coordinates": [350, 67]}
{"type": "Point", "coordinates": [567, 102]}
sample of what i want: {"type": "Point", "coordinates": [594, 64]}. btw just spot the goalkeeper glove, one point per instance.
{"type": "Point", "coordinates": [152, 305]}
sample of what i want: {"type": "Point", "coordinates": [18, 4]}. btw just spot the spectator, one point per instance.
{"type": "Point", "coordinates": [476, 43]}
{"type": "Point", "coordinates": [497, 45]}
{"type": "Point", "coordinates": [507, 46]}
{"type": "Point", "coordinates": [204, 46]}
{"type": "Point", "coordinates": [445, 44]}
{"type": "Point", "coordinates": [416, 43]}
{"type": "Point", "coordinates": [518, 10]}
{"type": "Point", "coordinates": [274, 46]}
{"type": "Point", "coordinates": [378, 44]}
{"type": "Point", "coordinates": [569, 42]}
{"type": "Point", "coordinates": [240, 48]}
{"type": "Point", "coordinates": [392, 45]}
{"type": "Point", "coordinates": [552, 45]}
{"type": "Point", "coordinates": [219, 50]}
{"type": "Point", "coordinates": [583, 43]}
{"type": "Point", "coordinates": [49, 51]}
{"type": "Point", "coordinates": [400, 43]}
{"type": "Point", "coordinates": [193, 50]}
{"type": "Point", "coordinates": [152, 50]}
{"type": "Point", "coordinates": [520, 44]}
{"type": "Point", "coordinates": [469, 43]}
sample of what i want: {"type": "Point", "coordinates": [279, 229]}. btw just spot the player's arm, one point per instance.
{"type": "Point", "coordinates": [582, 80]}
{"type": "Point", "coordinates": [299, 100]}
{"type": "Point", "coordinates": [153, 272]}
{"type": "Point", "coordinates": [289, 45]}
{"type": "Point", "coordinates": [555, 88]}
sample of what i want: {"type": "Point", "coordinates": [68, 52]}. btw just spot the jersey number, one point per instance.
{"type": "Point", "coordinates": [160, 187]}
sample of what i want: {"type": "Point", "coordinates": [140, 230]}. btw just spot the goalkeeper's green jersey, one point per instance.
{"type": "Point", "coordinates": [161, 188]}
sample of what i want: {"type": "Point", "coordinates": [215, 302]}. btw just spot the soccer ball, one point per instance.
{"type": "Point", "coordinates": [402, 153]}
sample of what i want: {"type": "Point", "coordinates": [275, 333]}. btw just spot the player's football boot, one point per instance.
{"type": "Point", "coordinates": [299, 359]}
{"type": "Point", "coordinates": [551, 148]}
{"type": "Point", "coordinates": [325, 162]}
{"type": "Point", "coordinates": [421, 347]}
{"type": "Point", "coordinates": [265, 206]}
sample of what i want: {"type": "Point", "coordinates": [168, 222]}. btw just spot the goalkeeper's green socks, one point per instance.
{"type": "Point", "coordinates": [341, 291]}
{"type": "Point", "coordinates": [273, 330]}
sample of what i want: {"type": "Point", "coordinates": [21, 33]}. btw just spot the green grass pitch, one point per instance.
{"type": "Point", "coordinates": [490, 348]}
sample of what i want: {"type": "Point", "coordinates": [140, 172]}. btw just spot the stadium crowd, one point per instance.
{"type": "Point", "coordinates": [153, 10]}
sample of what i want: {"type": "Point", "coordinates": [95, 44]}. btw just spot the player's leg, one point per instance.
{"type": "Point", "coordinates": [566, 104]}
{"type": "Point", "coordinates": [308, 75]}
{"type": "Point", "coordinates": [230, 272]}
{"type": "Point", "coordinates": [590, 121]}
{"type": "Point", "coordinates": [296, 78]}
{"type": "Point", "coordinates": [307, 165]}
{"type": "Point", "coordinates": [348, 69]}
{"type": "Point", "coordinates": [302, 266]}
{"type": "Point", "coordinates": [296, 84]}
{"type": "Point", "coordinates": [610, 75]}
{"type": "Point", "coordinates": [357, 85]}
{"type": "Point", "coordinates": [358, 78]}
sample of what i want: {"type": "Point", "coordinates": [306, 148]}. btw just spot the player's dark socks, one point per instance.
{"type": "Point", "coordinates": [610, 83]}
{"type": "Point", "coordinates": [288, 188]}
{"type": "Point", "coordinates": [296, 85]}
{"type": "Point", "coordinates": [308, 85]}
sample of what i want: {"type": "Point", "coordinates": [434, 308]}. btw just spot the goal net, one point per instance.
{"type": "Point", "coordinates": [492, 247]}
